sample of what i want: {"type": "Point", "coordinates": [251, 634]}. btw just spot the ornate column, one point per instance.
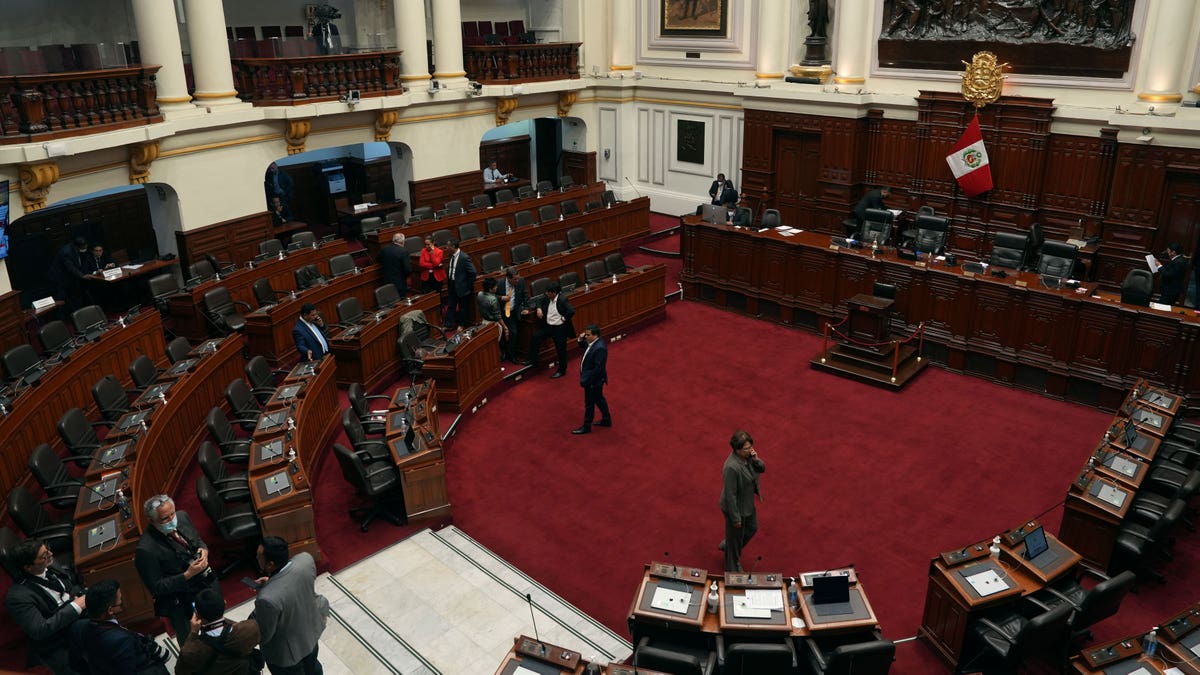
{"type": "Point", "coordinates": [852, 45]}
{"type": "Point", "coordinates": [410, 40]}
{"type": "Point", "coordinates": [623, 33]}
{"type": "Point", "coordinates": [447, 41]}
{"type": "Point", "coordinates": [158, 41]}
{"type": "Point", "coordinates": [1167, 50]}
{"type": "Point", "coordinates": [772, 39]}
{"type": "Point", "coordinates": [211, 68]}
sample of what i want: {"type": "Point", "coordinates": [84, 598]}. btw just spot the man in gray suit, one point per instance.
{"type": "Point", "coordinates": [290, 613]}
{"type": "Point", "coordinates": [739, 478]}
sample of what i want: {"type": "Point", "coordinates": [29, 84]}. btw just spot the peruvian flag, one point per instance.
{"type": "Point", "coordinates": [969, 161]}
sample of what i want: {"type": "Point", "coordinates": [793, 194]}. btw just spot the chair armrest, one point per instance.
{"type": "Point", "coordinates": [999, 631]}
{"type": "Point", "coordinates": [51, 536]}
{"type": "Point", "coordinates": [263, 390]}
{"type": "Point", "coordinates": [1053, 591]}
{"type": "Point", "coordinates": [246, 305]}
{"type": "Point", "coordinates": [381, 398]}
{"type": "Point", "coordinates": [368, 443]}
{"type": "Point", "coordinates": [236, 516]}
{"type": "Point", "coordinates": [720, 651]}
{"type": "Point", "coordinates": [1139, 535]}
{"type": "Point", "coordinates": [223, 492]}
{"type": "Point", "coordinates": [106, 424]}
{"type": "Point", "coordinates": [89, 446]}
{"type": "Point", "coordinates": [58, 486]}
{"type": "Point", "coordinates": [381, 467]}
{"type": "Point", "coordinates": [241, 481]}
{"type": "Point", "coordinates": [236, 457]}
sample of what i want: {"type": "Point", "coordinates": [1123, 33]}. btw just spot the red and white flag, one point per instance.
{"type": "Point", "coordinates": [969, 161]}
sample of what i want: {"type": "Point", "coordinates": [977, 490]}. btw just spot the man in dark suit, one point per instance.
{"type": "Point", "coordinates": [98, 260]}
{"type": "Point", "coordinates": [278, 184]}
{"type": "Point", "coordinates": [871, 200]}
{"type": "Point", "coordinates": [511, 290]}
{"type": "Point", "coordinates": [107, 647]}
{"type": "Point", "coordinates": [714, 190]}
{"type": "Point", "coordinates": [291, 615]}
{"type": "Point", "coordinates": [739, 486]}
{"type": "Point", "coordinates": [309, 334]}
{"type": "Point", "coordinates": [729, 196]}
{"type": "Point", "coordinates": [460, 285]}
{"type": "Point", "coordinates": [45, 603]}
{"type": "Point", "coordinates": [1173, 272]}
{"type": "Point", "coordinates": [593, 375]}
{"type": "Point", "coordinates": [554, 321]}
{"type": "Point", "coordinates": [395, 263]}
{"type": "Point", "coordinates": [67, 271]}
{"type": "Point", "coordinates": [172, 561]}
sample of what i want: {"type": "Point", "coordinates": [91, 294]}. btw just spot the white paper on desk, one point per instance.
{"type": "Point", "coordinates": [1172, 671]}
{"type": "Point", "coordinates": [987, 582]}
{"type": "Point", "coordinates": [765, 598]}
{"type": "Point", "coordinates": [1140, 671]}
{"type": "Point", "coordinates": [1159, 306]}
{"type": "Point", "coordinates": [896, 212]}
{"type": "Point", "coordinates": [131, 266]}
{"type": "Point", "coordinates": [1152, 262]}
{"type": "Point", "coordinates": [522, 670]}
{"type": "Point", "coordinates": [743, 610]}
{"type": "Point", "coordinates": [670, 600]}
{"type": "Point", "coordinates": [1196, 649]}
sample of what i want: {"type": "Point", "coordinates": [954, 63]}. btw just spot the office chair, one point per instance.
{"type": "Point", "coordinates": [569, 208]}
{"type": "Point", "coordinates": [547, 213]}
{"type": "Point", "coordinates": [375, 448]}
{"type": "Point", "coordinates": [538, 288]}
{"type": "Point", "coordinates": [220, 266]}
{"type": "Point", "coordinates": [78, 435]}
{"type": "Point", "coordinates": [242, 404]}
{"type": "Point", "coordinates": [777, 656]}
{"type": "Point", "coordinates": [341, 264]}
{"type": "Point", "coordinates": [496, 225]}
{"type": "Point", "coordinates": [454, 206]}
{"type": "Point", "coordinates": [592, 206]}
{"type": "Point", "coordinates": [491, 262]}
{"type": "Point", "coordinates": [671, 657]}
{"type": "Point", "coordinates": [178, 349]}
{"type": "Point", "coordinates": [565, 182]}
{"type": "Point", "coordinates": [56, 338]}
{"type": "Point", "coordinates": [261, 378]}
{"type": "Point", "coordinates": [568, 281]}
{"type": "Point", "coordinates": [89, 321]}
{"type": "Point", "coordinates": [22, 365]}
{"type": "Point", "coordinates": [593, 271]}
{"type": "Point", "coordinates": [1008, 250]}
{"type": "Point", "coordinates": [233, 449]}
{"type": "Point", "coordinates": [230, 486]}
{"type": "Point", "coordinates": [143, 373]}
{"type": "Point", "coordinates": [608, 198]}
{"type": "Point", "coordinates": [376, 480]}
{"type": "Point", "coordinates": [270, 248]}
{"type": "Point", "coordinates": [236, 523]}
{"type": "Point", "coordinates": [222, 313]}
{"type": "Point", "coordinates": [1088, 607]}
{"type": "Point", "coordinates": [877, 227]}
{"type": "Point", "coordinates": [111, 399]}
{"type": "Point", "coordinates": [926, 211]}
{"type": "Point", "coordinates": [264, 294]}
{"type": "Point", "coordinates": [576, 237]}
{"type": "Point", "coordinates": [522, 219]}
{"type": "Point", "coordinates": [481, 201]}
{"type": "Point", "coordinates": [307, 276]}
{"type": "Point", "coordinates": [440, 237]}
{"type": "Point", "coordinates": [369, 226]}
{"type": "Point", "coordinates": [8, 544]}
{"type": "Point", "coordinates": [442, 213]}
{"type": "Point", "coordinates": [504, 195]}
{"type": "Point", "coordinates": [614, 263]}
{"type": "Point", "coordinates": [1011, 638]}
{"type": "Point", "coordinates": [349, 311]}
{"type": "Point", "coordinates": [882, 290]}
{"type": "Point", "coordinates": [931, 234]}
{"type": "Point", "coordinates": [525, 191]}
{"type": "Point", "coordinates": [556, 246]}
{"type": "Point", "coordinates": [1137, 544]}
{"type": "Point", "coordinates": [35, 521]}
{"type": "Point", "coordinates": [1137, 288]}
{"type": "Point", "coordinates": [872, 657]}
{"type": "Point", "coordinates": [521, 253]}
{"type": "Point", "coordinates": [302, 240]}
{"type": "Point", "coordinates": [545, 186]}
{"type": "Point", "coordinates": [1057, 259]}
{"type": "Point", "coordinates": [372, 421]}
{"type": "Point", "coordinates": [200, 271]}
{"type": "Point", "coordinates": [48, 469]}
{"type": "Point", "coordinates": [386, 296]}
{"type": "Point", "coordinates": [769, 220]}
{"type": "Point", "coordinates": [162, 287]}
{"type": "Point", "coordinates": [416, 219]}
{"type": "Point", "coordinates": [469, 231]}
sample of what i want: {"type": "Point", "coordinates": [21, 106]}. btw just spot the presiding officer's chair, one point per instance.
{"type": "Point", "coordinates": [931, 234]}
{"type": "Point", "coordinates": [1057, 259]}
{"type": "Point", "coordinates": [1008, 250]}
{"type": "Point", "coordinates": [877, 227]}
{"type": "Point", "coordinates": [1137, 288]}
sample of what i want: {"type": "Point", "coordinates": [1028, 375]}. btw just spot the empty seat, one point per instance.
{"type": "Point", "coordinates": [178, 349]}
{"type": "Point", "coordinates": [231, 486]}
{"type": "Point", "coordinates": [369, 226]}
{"type": "Point", "coordinates": [142, 372]}
{"type": "Point", "coordinates": [22, 364]}
{"type": "Point", "coordinates": [413, 245]}
{"type": "Point", "coordinates": [565, 182]}
{"type": "Point", "coordinates": [538, 288]}
{"type": "Point", "coordinates": [370, 418]}
{"type": "Point", "coordinates": [1137, 288]}
{"type": "Point", "coordinates": [614, 263]}
{"type": "Point", "coordinates": [51, 474]}
{"type": "Point", "coordinates": [234, 521]}
{"type": "Point", "coordinates": [593, 206]}
{"type": "Point", "coordinates": [468, 231]}
{"type": "Point", "coordinates": [35, 521]}
{"type": "Point", "coordinates": [349, 311]}
{"type": "Point", "coordinates": [425, 212]}
{"type": "Point", "coordinates": [454, 206]}
{"type": "Point", "coordinates": [556, 246]}
{"type": "Point", "coordinates": [576, 237]}
{"type": "Point", "coordinates": [882, 290]}
{"type": "Point", "coordinates": [931, 234]}
{"type": "Point", "coordinates": [545, 186]}
{"type": "Point", "coordinates": [303, 239]}
{"type": "Point", "coordinates": [78, 434]}
{"type": "Point", "coordinates": [374, 479]}
{"type": "Point", "coordinates": [341, 264]}
{"type": "Point", "coordinates": [200, 271]}
{"type": "Point", "coordinates": [481, 201]}
{"type": "Point", "coordinates": [222, 311]}
{"type": "Point", "coordinates": [386, 296]}
{"type": "Point", "coordinates": [242, 404]}
{"type": "Point", "coordinates": [504, 195]}
{"type": "Point", "coordinates": [877, 228]}
{"type": "Point", "coordinates": [525, 191]}
{"type": "Point", "coordinates": [56, 337]}
{"type": "Point", "coordinates": [88, 320]}
{"type": "Point", "coordinates": [442, 213]}
{"type": "Point", "coordinates": [261, 378]}
{"type": "Point", "coordinates": [376, 449]}
{"type": "Point", "coordinates": [1008, 250]}
{"type": "Point", "coordinates": [111, 398]}
{"type": "Point", "coordinates": [594, 271]}
{"type": "Point", "coordinates": [270, 248]}
{"type": "Point", "coordinates": [569, 207]}
{"type": "Point", "coordinates": [520, 253]}
{"type": "Point", "coordinates": [496, 225]}
{"type": "Point", "coordinates": [307, 276]}
{"type": "Point", "coordinates": [162, 286]}
{"type": "Point", "coordinates": [522, 219]}
{"type": "Point", "coordinates": [491, 262]}
{"type": "Point", "coordinates": [547, 213]}
{"type": "Point", "coordinates": [1057, 259]}
{"type": "Point", "coordinates": [440, 238]}
{"type": "Point", "coordinates": [568, 281]}
{"type": "Point", "coordinates": [264, 294]}
{"type": "Point", "coordinates": [608, 198]}
{"type": "Point", "coordinates": [233, 449]}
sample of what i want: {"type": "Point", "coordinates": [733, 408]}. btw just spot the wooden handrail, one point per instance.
{"type": "Point", "coordinates": [513, 64]}
{"type": "Point", "coordinates": [295, 80]}
{"type": "Point", "coordinates": [51, 105]}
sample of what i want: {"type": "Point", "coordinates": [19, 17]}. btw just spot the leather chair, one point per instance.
{"type": "Point", "coordinates": [442, 213]}
{"type": "Point", "coordinates": [78, 435]}
{"type": "Point", "coordinates": [547, 213]}
{"type": "Point", "coordinates": [556, 246]}
{"type": "Point", "coordinates": [454, 206]}
{"type": "Point", "coordinates": [386, 296]}
{"type": "Point", "coordinates": [230, 486]}
{"type": "Point", "coordinates": [1088, 607]}
{"type": "Point", "coordinates": [671, 657]}
{"type": "Point", "coordinates": [349, 311]}
{"type": "Point", "coordinates": [569, 208]}
{"type": "Point", "coordinates": [142, 373]}
{"type": "Point", "coordinates": [220, 266]}
{"type": "Point", "coordinates": [538, 288]}
{"type": "Point", "coordinates": [424, 212]}
{"type": "Point", "coordinates": [565, 182]}
{"type": "Point", "coordinates": [1057, 259]}
{"type": "Point", "coordinates": [576, 237]}
{"type": "Point", "coordinates": [200, 271]}
{"type": "Point", "coordinates": [882, 290]}
{"type": "Point", "coordinates": [264, 294]}
{"type": "Point", "coordinates": [233, 449]}
{"type": "Point", "coordinates": [593, 271]}
{"type": "Point", "coordinates": [302, 240]}
{"type": "Point", "coordinates": [931, 234]}
{"type": "Point", "coordinates": [35, 521]}
{"type": "Point", "coordinates": [568, 281]}
{"type": "Point", "coordinates": [162, 286]}
{"type": "Point", "coordinates": [522, 219]}
{"type": "Point", "coordinates": [235, 522]}
{"type": "Point", "coordinates": [416, 219]}
{"type": "Point", "coordinates": [376, 449]}
{"type": "Point", "coordinates": [1008, 250]}
{"type": "Point", "coordinates": [520, 253]}
{"type": "Point", "coordinates": [614, 263]}
{"type": "Point", "coordinates": [341, 264]}
{"type": "Point", "coordinates": [369, 226]}
{"type": "Point", "coordinates": [22, 363]}
{"type": "Point", "coordinates": [926, 211]}
{"type": "Point", "coordinates": [496, 225]}
{"type": "Point", "coordinates": [245, 408]}
{"type": "Point", "coordinates": [1011, 638]}
{"type": "Point", "coordinates": [1137, 288]}
{"type": "Point", "coordinates": [757, 657]}
{"type": "Point", "coordinates": [307, 276]}
{"type": "Point", "coordinates": [1036, 241]}
{"type": "Point", "coordinates": [88, 319]}
{"type": "Point", "coordinates": [440, 237]}
{"type": "Point", "coordinates": [525, 191]}
{"type": "Point", "coordinates": [8, 543]}
{"type": "Point", "coordinates": [178, 349]}
{"type": "Point", "coordinates": [270, 248]}
{"type": "Point", "coordinates": [873, 657]}
{"type": "Point", "coordinates": [413, 245]}
{"type": "Point", "coordinates": [877, 226]}
{"type": "Point", "coordinates": [592, 206]}
{"type": "Point", "coordinates": [545, 186]}
{"type": "Point", "coordinates": [481, 202]}
{"type": "Point", "coordinates": [111, 399]}
{"type": "Point", "coordinates": [48, 469]}
{"type": "Point", "coordinates": [770, 219]}
{"type": "Point", "coordinates": [375, 479]}
{"type": "Point", "coordinates": [491, 262]}
{"type": "Point", "coordinates": [56, 338]}
{"type": "Point", "coordinates": [608, 198]}
{"type": "Point", "coordinates": [504, 195]}
{"type": "Point", "coordinates": [261, 378]}
{"type": "Point", "coordinates": [468, 231]}
{"type": "Point", "coordinates": [1136, 545]}
{"type": "Point", "coordinates": [372, 422]}
{"type": "Point", "coordinates": [222, 311]}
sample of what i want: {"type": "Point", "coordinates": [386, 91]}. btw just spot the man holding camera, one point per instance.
{"type": "Point", "coordinates": [172, 561]}
{"type": "Point", "coordinates": [104, 647]}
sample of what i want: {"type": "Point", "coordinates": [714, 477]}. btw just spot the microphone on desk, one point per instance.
{"type": "Point", "coordinates": [750, 576]}
{"type": "Point", "coordinates": [635, 190]}
{"type": "Point", "coordinates": [674, 569]}
{"type": "Point", "coordinates": [541, 645]}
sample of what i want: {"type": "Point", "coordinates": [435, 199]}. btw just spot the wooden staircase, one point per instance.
{"type": "Point", "coordinates": [891, 365]}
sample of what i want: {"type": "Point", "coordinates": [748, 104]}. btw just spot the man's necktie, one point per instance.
{"type": "Point", "coordinates": [508, 305]}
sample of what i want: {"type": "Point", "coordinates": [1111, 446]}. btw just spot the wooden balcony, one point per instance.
{"type": "Point", "coordinates": [44, 106]}
{"type": "Point", "coordinates": [513, 64]}
{"type": "Point", "coordinates": [312, 79]}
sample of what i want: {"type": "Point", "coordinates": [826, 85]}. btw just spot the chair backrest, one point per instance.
{"type": "Point", "coordinates": [490, 262]}
{"type": "Point", "coordinates": [568, 281]}
{"type": "Point", "coordinates": [1008, 250]}
{"type": "Point", "coordinates": [349, 310]}
{"type": "Point", "coordinates": [220, 308]}
{"type": "Point", "coordinates": [423, 212]}
{"type": "Point", "coordinates": [882, 290]}
{"type": "Point", "coordinates": [1137, 288]}
{"type": "Point", "coordinates": [340, 264]}
{"type": "Point", "coordinates": [440, 237]}
{"type": "Point", "coordinates": [538, 287]}
{"type": "Point", "coordinates": [55, 336]}
{"type": "Point", "coordinates": [209, 459]}
{"type": "Point", "coordinates": [454, 206]}
{"type": "Point", "coordinates": [386, 295]}
{"type": "Point", "coordinates": [481, 201]}
{"type": "Point", "coordinates": [1057, 259]}
{"type": "Point", "coordinates": [270, 248]}
{"type": "Point", "coordinates": [303, 239]}
{"type": "Point", "coordinates": [1103, 600]}
{"type": "Point", "coordinates": [413, 245]}
{"type": "Point", "coordinates": [352, 467]}
{"type": "Point", "coordinates": [468, 231]}
{"type": "Point", "coordinates": [930, 239]}
{"type": "Point", "coordinates": [264, 295]}
{"type": "Point", "coordinates": [8, 543]}
{"type": "Point", "coordinates": [1036, 239]}
{"type": "Point", "coordinates": [201, 270]}
{"type": "Point", "coordinates": [556, 246]}
{"type": "Point", "coordinates": [178, 349]}
{"type": "Point", "coordinates": [770, 219]}
{"type": "Point", "coordinates": [876, 231]}
{"type": "Point", "coordinates": [761, 657]}
{"type": "Point", "coordinates": [241, 401]}
{"type": "Point", "coordinates": [142, 371]}
{"type": "Point", "coordinates": [111, 399]}
{"type": "Point", "coordinates": [162, 286]}
{"type": "Point", "coordinates": [50, 473]}
{"type": "Point", "coordinates": [353, 428]}
{"type": "Point", "coordinates": [496, 225]}
{"type": "Point", "coordinates": [20, 360]}
{"type": "Point", "coordinates": [1042, 632]}
{"type": "Point", "coordinates": [525, 191]}
{"type": "Point", "coordinates": [569, 207]}
{"type": "Point", "coordinates": [863, 658]}
{"type": "Point", "coordinates": [614, 263]}
{"type": "Point", "coordinates": [77, 433]}
{"type": "Point", "coordinates": [370, 225]}
{"type": "Point", "coordinates": [547, 212]}
{"type": "Point", "coordinates": [219, 427]}
{"type": "Point", "coordinates": [212, 504]}
{"type": "Point", "coordinates": [88, 318]}
{"type": "Point", "coordinates": [593, 206]}
{"type": "Point", "coordinates": [594, 271]}
{"type": "Point", "coordinates": [416, 219]}
{"type": "Point", "coordinates": [25, 511]}
{"type": "Point", "coordinates": [522, 219]}
{"type": "Point", "coordinates": [258, 373]}
{"type": "Point", "coordinates": [306, 276]}
{"type": "Point", "coordinates": [520, 253]}
{"type": "Point", "coordinates": [504, 195]}
{"type": "Point", "coordinates": [442, 213]}
{"type": "Point", "coordinates": [576, 237]}
{"type": "Point", "coordinates": [565, 181]}
{"type": "Point", "coordinates": [545, 186]}
{"type": "Point", "coordinates": [608, 198]}
{"type": "Point", "coordinates": [926, 211]}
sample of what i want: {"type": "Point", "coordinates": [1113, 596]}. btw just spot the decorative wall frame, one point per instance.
{"type": "Point", "coordinates": [693, 18]}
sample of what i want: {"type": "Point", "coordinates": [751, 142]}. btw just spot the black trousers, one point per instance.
{"type": "Point", "coordinates": [593, 397]}
{"type": "Point", "coordinates": [556, 333]}
{"type": "Point", "coordinates": [308, 665]}
{"type": "Point", "coordinates": [458, 308]}
{"type": "Point", "coordinates": [508, 345]}
{"type": "Point", "coordinates": [736, 539]}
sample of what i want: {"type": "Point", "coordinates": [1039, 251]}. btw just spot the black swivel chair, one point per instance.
{"type": "Point", "coordinates": [614, 264]}
{"type": "Point", "coordinates": [262, 378]}
{"type": "Point", "coordinates": [569, 208]}
{"type": "Point", "coordinates": [1137, 288]}
{"type": "Point", "coordinates": [111, 399]}
{"type": "Point", "coordinates": [468, 231]}
{"type": "Point", "coordinates": [423, 212]}
{"type": "Point", "coordinates": [521, 253]}
{"type": "Point", "coordinates": [1009, 250]}
{"type": "Point", "coordinates": [877, 227]}
{"type": "Point", "coordinates": [233, 449]}
{"type": "Point", "coordinates": [231, 486]}
{"type": "Point", "coordinates": [35, 521]}
{"type": "Point", "coordinates": [302, 240]}
{"type": "Point", "coordinates": [264, 294]}
{"type": "Point", "coordinates": [455, 206]}
{"type": "Point", "coordinates": [592, 206]}
{"type": "Point", "coordinates": [770, 219]}
{"type": "Point", "coordinates": [78, 434]}
{"type": "Point", "coordinates": [1137, 545]}
{"type": "Point", "coordinates": [777, 656]}
{"type": "Point", "coordinates": [440, 237]}
{"type": "Point", "coordinates": [221, 266]}
{"type": "Point", "coordinates": [142, 372]}
{"type": "Point", "coordinates": [481, 202]}
{"type": "Point", "coordinates": [496, 225]}
{"type": "Point", "coordinates": [374, 479]}
{"type": "Point", "coordinates": [48, 469]}
{"type": "Point", "coordinates": [89, 321]}
{"type": "Point", "coordinates": [547, 213]}
{"type": "Point", "coordinates": [56, 338]}
{"type": "Point", "coordinates": [545, 186]}
{"type": "Point", "coordinates": [372, 421]}
{"type": "Point", "coordinates": [873, 657]}
{"type": "Point", "coordinates": [376, 449]}
{"type": "Point", "coordinates": [555, 247]}
{"type": "Point", "coordinates": [236, 523]}
{"type": "Point", "coordinates": [386, 296]}
{"type": "Point", "coordinates": [882, 290]}
{"type": "Point", "coordinates": [178, 349]}
{"type": "Point", "coordinates": [659, 654]}
{"type": "Point", "coordinates": [222, 311]}
{"type": "Point", "coordinates": [270, 248]}
{"type": "Point", "coordinates": [538, 288]}
{"type": "Point", "coordinates": [608, 198]}
{"type": "Point", "coordinates": [8, 544]}
{"type": "Point", "coordinates": [307, 276]}
{"type": "Point", "coordinates": [161, 287]}
{"type": "Point", "coordinates": [1011, 638]}
{"type": "Point", "coordinates": [242, 404]}
{"type": "Point", "coordinates": [568, 281]}
{"type": "Point", "coordinates": [593, 271]}
{"type": "Point", "coordinates": [576, 237]}
{"type": "Point", "coordinates": [504, 195]}
{"type": "Point", "coordinates": [341, 264]}
{"type": "Point", "coordinates": [22, 364]}
{"type": "Point", "coordinates": [565, 182]}
{"type": "Point", "coordinates": [199, 272]}
{"type": "Point", "coordinates": [1057, 259]}
{"type": "Point", "coordinates": [349, 311]}
{"type": "Point", "coordinates": [522, 219]}
{"type": "Point", "coordinates": [1036, 241]}
{"type": "Point", "coordinates": [1088, 607]}
{"type": "Point", "coordinates": [525, 191]}
{"type": "Point", "coordinates": [931, 234]}
{"type": "Point", "coordinates": [491, 262]}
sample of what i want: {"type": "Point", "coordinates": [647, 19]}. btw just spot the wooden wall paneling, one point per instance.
{"type": "Point", "coordinates": [1138, 179]}
{"type": "Point", "coordinates": [511, 155]}
{"type": "Point", "coordinates": [435, 192]}
{"type": "Point", "coordinates": [1157, 347]}
{"type": "Point", "coordinates": [231, 240]}
{"type": "Point", "coordinates": [891, 160]}
{"type": "Point", "coordinates": [311, 202]}
{"type": "Point", "coordinates": [1044, 331]}
{"type": "Point", "coordinates": [1076, 172]}
{"type": "Point", "coordinates": [1096, 352]}
{"type": "Point", "coordinates": [991, 329]}
{"type": "Point", "coordinates": [580, 166]}
{"type": "Point", "coordinates": [12, 322]}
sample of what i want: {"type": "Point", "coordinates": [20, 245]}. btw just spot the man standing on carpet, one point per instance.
{"type": "Point", "coordinates": [291, 615]}
{"type": "Point", "coordinates": [739, 479]}
{"type": "Point", "coordinates": [593, 375]}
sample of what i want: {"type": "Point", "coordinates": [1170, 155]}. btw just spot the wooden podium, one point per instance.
{"type": "Point", "coordinates": [869, 321]}
{"type": "Point", "coordinates": [862, 348]}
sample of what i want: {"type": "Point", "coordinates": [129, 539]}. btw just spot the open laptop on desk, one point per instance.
{"type": "Point", "coordinates": [1037, 549]}
{"type": "Point", "coordinates": [831, 595]}
{"type": "Point", "coordinates": [1133, 440]}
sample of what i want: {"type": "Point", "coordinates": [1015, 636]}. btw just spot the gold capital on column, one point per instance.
{"type": "Point", "coordinates": [384, 120]}
{"type": "Point", "coordinates": [36, 180]}
{"type": "Point", "coordinates": [141, 155]}
{"type": "Point", "coordinates": [297, 135]}
{"type": "Point", "coordinates": [566, 99]}
{"type": "Point", "coordinates": [504, 109]}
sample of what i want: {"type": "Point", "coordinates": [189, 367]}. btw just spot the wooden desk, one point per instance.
{"type": "Point", "coordinates": [526, 649]}
{"type": "Point", "coordinates": [1093, 512]}
{"type": "Point", "coordinates": [553, 266]}
{"type": "Point", "coordinates": [186, 308]}
{"type": "Point", "coordinates": [696, 615]}
{"type": "Point", "coordinates": [367, 352]}
{"type": "Point", "coordinates": [861, 617]}
{"type": "Point", "coordinates": [1179, 640]}
{"type": "Point", "coordinates": [1123, 655]}
{"type": "Point", "coordinates": [734, 586]}
{"type": "Point", "coordinates": [422, 465]}
{"type": "Point", "coordinates": [463, 376]}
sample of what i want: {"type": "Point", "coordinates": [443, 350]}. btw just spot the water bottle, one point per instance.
{"type": "Point", "coordinates": [1150, 642]}
{"type": "Point", "coordinates": [793, 595]}
{"type": "Point", "coordinates": [994, 549]}
{"type": "Point", "coordinates": [281, 254]}
{"type": "Point", "coordinates": [614, 278]}
{"type": "Point", "coordinates": [713, 599]}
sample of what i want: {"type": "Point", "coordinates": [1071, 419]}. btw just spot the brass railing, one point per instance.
{"type": "Point", "coordinates": [311, 79]}
{"type": "Point", "coordinates": [52, 105]}
{"type": "Point", "coordinates": [513, 64]}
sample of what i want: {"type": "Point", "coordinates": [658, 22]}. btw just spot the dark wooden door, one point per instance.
{"type": "Point", "coordinates": [796, 160]}
{"type": "Point", "coordinates": [1179, 216]}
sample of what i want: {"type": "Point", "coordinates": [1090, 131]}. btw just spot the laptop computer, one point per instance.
{"type": "Point", "coordinates": [1037, 549]}
{"type": "Point", "coordinates": [831, 595]}
{"type": "Point", "coordinates": [102, 533]}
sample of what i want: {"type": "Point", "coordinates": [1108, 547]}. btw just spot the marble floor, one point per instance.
{"type": "Point", "coordinates": [438, 602]}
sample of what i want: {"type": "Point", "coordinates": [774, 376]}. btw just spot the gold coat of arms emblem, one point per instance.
{"type": "Point", "coordinates": [983, 79]}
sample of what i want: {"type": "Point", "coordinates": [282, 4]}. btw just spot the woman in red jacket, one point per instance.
{"type": "Point", "coordinates": [430, 264]}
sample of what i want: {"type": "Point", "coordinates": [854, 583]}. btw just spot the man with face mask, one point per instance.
{"type": "Point", "coordinates": [172, 561]}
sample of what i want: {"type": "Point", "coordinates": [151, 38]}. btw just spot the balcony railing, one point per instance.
{"type": "Point", "coordinates": [53, 105]}
{"type": "Point", "coordinates": [513, 64]}
{"type": "Point", "coordinates": [312, 79]}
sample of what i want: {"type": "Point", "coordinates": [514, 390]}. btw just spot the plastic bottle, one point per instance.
{"type": "Point", "coordinates": [994, 549]}
{"type": "Point", "coordinates": [1150, 642]}
{"type": "Point", "coordinates": [793, 594]}
{"type": "Point", "coordinates": [614, 278]}
{"type": "Point", "coordinates": [713, 599]}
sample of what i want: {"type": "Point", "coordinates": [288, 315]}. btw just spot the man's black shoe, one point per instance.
{"type": "Point", "coordinates": [604, 423]}
{"type": "Point", "coordinates": [582, 430]}
{"type": "Point", "coordinates": [556, 376]}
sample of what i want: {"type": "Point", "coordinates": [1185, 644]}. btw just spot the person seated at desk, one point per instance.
{"type": "Point", "coordinates": [729, 196]}
{"type": "Point", "coordinates": [714, 190]}
{"type": "Point", "coordinates": [742, 215]}
{"type": "Point", "coordinates": [309, 334]}
{"type": "Point", "coordinates": [871, 200]}
{"type": "Point", "coordinates": [280, 213]}
{"type": "Point", "coordinates": [98, 260]}
{"type": "Point", "coordinates": [492, 175]}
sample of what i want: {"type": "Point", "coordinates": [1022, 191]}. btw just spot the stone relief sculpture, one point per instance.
{"type": "Point", "coordinates": [1102, 24]}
